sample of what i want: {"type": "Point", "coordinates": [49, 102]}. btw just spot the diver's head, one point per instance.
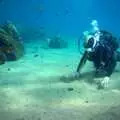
{"type": "Point", "coordinates": [88, 40]}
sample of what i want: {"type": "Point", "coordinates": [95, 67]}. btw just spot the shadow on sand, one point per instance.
{"type": "Point", "coordinates": [86, 76]}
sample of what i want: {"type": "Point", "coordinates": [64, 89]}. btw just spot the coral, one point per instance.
{"type": "Point", "coordinates": [10, 43]}
{"type": "Point", "coordinates": [57, 42]}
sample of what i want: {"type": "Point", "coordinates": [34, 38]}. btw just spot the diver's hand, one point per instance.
{"type": "Point", "coordinates": [75, 75]}
{"type": "Point", "coordinates": [102, 82]}
{"type": "Point", "coordinates": [105, 82]}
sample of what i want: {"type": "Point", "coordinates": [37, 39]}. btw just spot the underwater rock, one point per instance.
{"type": "Point", "coordinates": [9, 69]}
{"type": "Point", "coordinates": [39, 119]}
{"type": "Point", "coordinates": [57, 42]}
{"type": "Point", "coordinates": [10, 44]}
{"type": "Point", "coordinates": [100, 86]}
{"type": "Point", "coordinates": [70, 89]}
{"type": "Point", "coordinates": [86, 101]}
{"type": "Point", "coordinates": [36, 55]}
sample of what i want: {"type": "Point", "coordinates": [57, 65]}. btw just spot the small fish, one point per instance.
{"type": "Point", "coordinates": [67, 11]}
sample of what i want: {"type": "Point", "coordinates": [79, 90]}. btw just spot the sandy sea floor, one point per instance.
{"type": "Point", "coordinates": [31, 88]}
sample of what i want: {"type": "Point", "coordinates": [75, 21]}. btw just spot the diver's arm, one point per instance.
{"type": "Point", "coordinates": [82, 61]}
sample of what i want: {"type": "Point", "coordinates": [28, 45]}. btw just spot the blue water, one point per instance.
{"type": "Point", "coordinates": [67, 17]}
{"type": "Point", "coordinates": [34, 87]}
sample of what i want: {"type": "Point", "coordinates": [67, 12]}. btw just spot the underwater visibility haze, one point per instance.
{"type": "Point", "coordinates": [59, 60]}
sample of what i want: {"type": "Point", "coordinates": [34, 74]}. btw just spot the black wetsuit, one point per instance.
{"type": "Point", "coordinates": [104, 54]}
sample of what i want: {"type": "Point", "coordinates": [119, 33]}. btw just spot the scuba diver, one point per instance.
{"type": "Point", "coordinates": [100, 48]}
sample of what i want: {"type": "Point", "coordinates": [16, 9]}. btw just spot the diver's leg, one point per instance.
{"type": "Point", "coordinates": [107, 71]}
{"type": "Point", "coordinates": [111, 67]}
{"type": "Point", "coordinates": [111, 61]}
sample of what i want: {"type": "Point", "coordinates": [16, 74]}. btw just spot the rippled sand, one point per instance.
{"type": "Point", "coordinates": [31, 88]}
